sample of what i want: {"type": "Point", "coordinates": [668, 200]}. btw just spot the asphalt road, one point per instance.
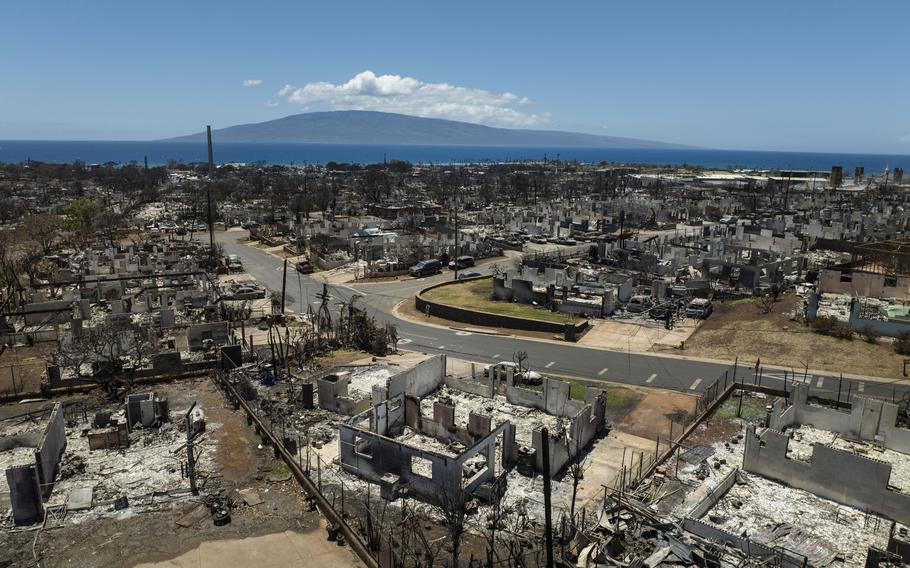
{"type": "Point", "coordinates": [643, 369]}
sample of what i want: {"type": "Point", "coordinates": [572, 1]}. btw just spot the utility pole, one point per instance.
{"type": "Point", "coordinates": [208, 133]}
{"type": "Point", "coordinates": [548, 520]}
{"type": "Point", "coordinates": [284, 282]}
{"type": "Point", "coordinates": [456, 234]}
{"type": "Point", "coordinates": [208, 198]}
{"type": "Point", "coordinates": [622, 221]}
{"type": "Point", "coordinates": [190, 452]}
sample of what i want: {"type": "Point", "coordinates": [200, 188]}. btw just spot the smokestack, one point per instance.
{"type": "Point", "coordinates": [208, 132]}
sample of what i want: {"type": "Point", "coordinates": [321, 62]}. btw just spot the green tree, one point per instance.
{"type": "Point", "coordinates": [80, 218]}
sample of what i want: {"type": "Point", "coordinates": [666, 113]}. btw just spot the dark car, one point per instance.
{"type": "Point", "coordinates": [462, 262]}
{"type": "Point", "coordinates": [425, 268]}
{"type": "Point", "coordinates": [305, 267]}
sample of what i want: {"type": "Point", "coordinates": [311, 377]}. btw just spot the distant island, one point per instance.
{"type": "Point", "coordinates": [369, 127]}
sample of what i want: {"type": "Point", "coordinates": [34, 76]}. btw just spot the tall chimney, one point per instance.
{"type": "Point", "coordinates": [208, 131]}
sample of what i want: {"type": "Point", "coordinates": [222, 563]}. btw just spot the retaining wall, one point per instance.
{"type": "Point", "coordinates": [487, 319]}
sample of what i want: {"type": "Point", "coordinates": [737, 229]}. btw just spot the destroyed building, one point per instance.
{"type": "Point", "coordinates": [388, 443]}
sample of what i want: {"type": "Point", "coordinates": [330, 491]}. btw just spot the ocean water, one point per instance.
{"type": "Point", "coordinates": [14, 151]}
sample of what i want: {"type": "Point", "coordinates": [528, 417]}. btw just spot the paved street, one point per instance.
{"type": "Point", "coordinates": [644, 369]}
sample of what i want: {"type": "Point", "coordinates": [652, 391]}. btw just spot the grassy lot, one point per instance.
{"type": "Point", "coordinates": [752, 408]}
{"type": "Point", "coordinates": [475, 295]}
{"type": "Point", "coordinates": [620, 399]}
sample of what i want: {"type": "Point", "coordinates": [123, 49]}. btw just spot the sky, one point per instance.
{"type": "Point", "coordinates": [825, 76]}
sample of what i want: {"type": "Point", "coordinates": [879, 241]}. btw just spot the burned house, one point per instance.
{"type": "Point", "coordinates": [431, 436]}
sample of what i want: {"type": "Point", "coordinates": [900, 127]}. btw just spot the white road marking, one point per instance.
{"type": "Point", "coordinates": [404, 341]}
{"type": "Point", "coordinates": [462, 333]}
{"type": "Point", "coordinates": [422, 336]}
{"type": "Point", "coordinates": [496, 356]}
{"type": "Point", "coordinates": [821, 381]}
{"type": "Point", "coordinates": [442, 347]}
{"type": "Point", "coordinates": [861, 387]}
{"type": "Point", "coordinates": [695, 384]}
{"type": "Point", "coordinates": [550, 364]}
{"type": "Point", "coordinates": [602, 372]}
{"type": "Point", "coordinates": [651, 378]}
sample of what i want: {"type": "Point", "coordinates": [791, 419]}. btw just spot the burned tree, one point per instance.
{"type": "Point", "coordinates": [108, 356]}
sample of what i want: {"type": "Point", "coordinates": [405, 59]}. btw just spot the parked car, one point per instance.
{"type": "Point", "coordinates": [461, 263]}
{"type": "Point", "coordinates": [699, 308]}
{"type": "Point", "coordinates": [464, 275]}
{"type": "Point", "coordinates": [425, 268]}
{"type": "Point", "coordinates": [305, 267]}
{"type": "Point", "coordinates": [244, 292]}
{"type": "Point", "coordinates": [234, 263]}
{"type": "Point", "coordinates": [728, 220]}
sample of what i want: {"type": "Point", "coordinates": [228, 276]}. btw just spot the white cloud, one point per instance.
{"type": "Point", "coordinates": [406, 95]}
{"type": "Point", "coordinates": [271, 104]}
{"type": "Point", "coordinates": [904, 138]}
{"type": "Point", "coordinates": [252, 82]}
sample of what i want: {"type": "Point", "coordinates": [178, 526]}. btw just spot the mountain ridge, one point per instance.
{"type": "Point", "coordinates": [373, 127]}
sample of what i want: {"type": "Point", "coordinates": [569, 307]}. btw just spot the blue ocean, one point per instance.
{"type": "Point", "coordinates": [160, 152]}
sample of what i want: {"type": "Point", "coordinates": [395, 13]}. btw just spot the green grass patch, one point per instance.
{"type": "Point", "coordinates": [342, 352]}
{"type": "Point", "coordinates": [476, 295]}
{"type": "Point", "coordinates": [753, 408]}
{"type": "Point", "coordinates": [576, 388]}
{"type": "Point", "coordinates": [619, 399]}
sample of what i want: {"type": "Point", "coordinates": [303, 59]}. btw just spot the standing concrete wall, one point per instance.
{"type": "Point", "coordinates": [385, 461]}
{"type": "Point", "coordinates": [217, 331]}
{"type": "Point", "coordinates": [583, 428]}
{"type": "Point", "coordinates": [869, 419]}
{"type": "Point", "coordinates": [420, 380]}
{"type": "Point", "coordinates": [554, 398]}
{"type": "Point", "coordinates": [50, 450]}
{"type": "Point", "coordinates": [24, 494]}
{"type": "Point", "coordinates": [844, 477]}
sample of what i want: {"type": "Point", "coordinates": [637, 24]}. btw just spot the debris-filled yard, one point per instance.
{"type": "Point", "coordinates": [233, 464]}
